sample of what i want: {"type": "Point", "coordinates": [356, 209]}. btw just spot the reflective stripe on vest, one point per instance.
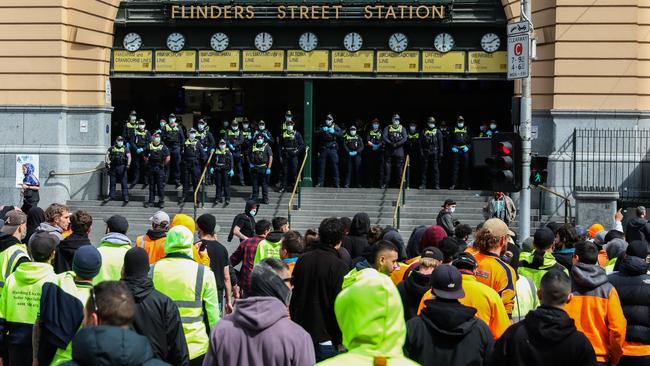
{"type": "Point", "coordinates": [8, 260]}
{"type": "Point", "coordinates": [198, 290]}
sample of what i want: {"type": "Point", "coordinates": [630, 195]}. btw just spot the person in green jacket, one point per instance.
{"type": "Point", "coordinates": [270, 247]}
{"type": "Point", "coordinates": [535, 265]}
{"type": "Point", "coordinates": [112, 248]}
{"type": "Point", "coordinates": [371, 334]}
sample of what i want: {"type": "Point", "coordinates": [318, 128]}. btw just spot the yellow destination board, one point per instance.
{"type": "Point", "coordinates": [482, 62]}
{"type": "Point", "coordinates": [403, 62]}
{"type": "Point", "coordinates": [314, 61]}
{"type": "Point", "coordinates": [264, 61]}
{"type": "Point", "coordinates": [213, 61]}
{"type": "Point", "coordinates": [446, 63]}
{"type": "Point", "coordinates": [137, 61]}
{"type": "Point", "coordinates": [182, 61]}
{"type": "Point", "coordinates": [360, 61]}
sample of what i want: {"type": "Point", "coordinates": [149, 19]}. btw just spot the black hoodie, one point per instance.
{"type": "Point", "coordinates": [245, 220]}
{"type": "Point", "coordinates": [411, 291]}
{"type": "Point", "coordinates": [357, 239]}
{"type": "Point", "coordinates": [448, 333]}
{"type": "Point", "coordinates": [547, 336]}
{"type": "Point", "coordinates": [637, 229]}
{"type": "Point", "coordinates": [65, 251]}
{"type": "Point", "coordinates": [633, 286]}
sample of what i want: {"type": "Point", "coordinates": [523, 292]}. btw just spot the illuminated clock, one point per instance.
{"type": "Point", "coordinates": [353, 41]}
{"type": "Point", "coordinates": [175, 42]}
{"type": "Point", "coordinates": [263, 41]}
{"type": "Point", "coordinates": [398, 42]}
{"type": "Point", "coordinates": [132, 42]}
{"type": "Point", "coordinates": [219, 41]}
{"type": "Point", "coordinates": [444, 42]}
{"type": "Point", "coordinates": [308, 41]}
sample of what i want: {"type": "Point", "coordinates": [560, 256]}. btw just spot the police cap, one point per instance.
{"type": "Point", "coordinates": [431, 120]}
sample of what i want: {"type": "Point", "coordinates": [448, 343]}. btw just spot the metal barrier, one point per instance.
{"type": "Point", "coordinates": [566, 201]}
{"type": "Point", "coordinates": [199, 186]}
{"type": "Point", "coordinates": [401, 194]}
{"type": "Point", "coordinates": [297, 187]}
{"type": "Point", "coordinates": [102, 177]}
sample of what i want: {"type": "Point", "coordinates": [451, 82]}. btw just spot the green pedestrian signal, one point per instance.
{"type": "Point", "coordinates": [538, 172]}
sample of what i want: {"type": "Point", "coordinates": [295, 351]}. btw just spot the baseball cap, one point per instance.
{"type": "Point", "coordinates": [117, 224]}
{"type": "Point", "coordinates": [543, 238]}
{"type": "Point", "coordinates": [41, 246]}
{"type": "Point", "coordinates": [447, 283]}
{"type": "Point", "coordinates": [160, 217]}
{"type": "Point", "coordinates": [432, 252]}
{"type": "Point", "coordinates": [497, 227]}
{"type": "Point", "coordinates": [448, 201]}
{"type": "Point", "coordinates": [465, 261]}
{"type": "Point", "coordinates": [13, 219]}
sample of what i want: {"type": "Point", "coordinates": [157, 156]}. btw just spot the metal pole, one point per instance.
{"type": "Point", "coordinates": [308, 110]}
{"type": "Point", "coordinates": [524, 130]}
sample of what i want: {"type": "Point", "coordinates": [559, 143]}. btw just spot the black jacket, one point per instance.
{"type": "Point", "coordinates": [633, 286]}
{"type": "Point", "coordinates": [413, 246]}
{"type": "Point", "coordinates": [637, 229]}
{"type": "Point", "coordinates": [357, 239]}
{"type": "Point", "coordinates": [65, 251]}
{"type": "Point", "coordinates": [411, 291]}
{"type": "Point", "coordinates": [111, 346]}
{"type": "Point", "coordinates": [547, 336]}
{"type": "Point", "coordinates": [446, 220]}
{"type": "Point", "coordinates": [158, 319]}
{"type": "Point", "coordinates": [448, 333]}
{"type": "Point", "coordinates": [245, 221]}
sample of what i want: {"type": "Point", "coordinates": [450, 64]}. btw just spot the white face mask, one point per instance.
{"type": "Point", "coordinates": [395, 122]}
{"type": "Point", "coordinates": [493, 126]}
{"type": "Point", "coordinates": [132, 118]}
{"type": "Point", "coordinates": [245, 126]}
{"type": "Point", "coordinates": [201, 127]}
{"type": "Point", "coordinates": [432, 125]}
{"type": "Point", "coordinates": [262, 127]}
{"type": "Point", "coordinates": [120, 143]}
{"type": "Point", "coordinates": [290, 128]}
{"type": "Point", "coordinates": [353, 132]}
{"type": "Point", "coordinates": [222, 146]}
{"type": "Point", "coordinates": [260, 141]}
{"type": "Point", "coordinates": [461, 124]}
{"type": "Point", "coordinates": [156, 140]}
{"type": "Point", "coordinates": [192, 136]}
{"type": "Point", "coordinates": [162, 123]}
{"type": "Point", "coordinates": [235, 128]}
{"type": "Point", "coordinates": [329, 122]}
{"type": "Point", "coordinates": [172, 120]}
{"type": "Point", "coordinates": [452, 209]}
{"type": "Point", "coordinates": [412, 128]}
{"type": "Point", "coordinates": [287, 118]}
{"type": "Point", "coordinates": [141, 127]}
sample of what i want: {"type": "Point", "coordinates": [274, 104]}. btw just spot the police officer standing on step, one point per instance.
{"type": "Point", "coordinates": [118, 161]}
{"type": "Point", "coordinates": [375, 156]}
{"type": "Point", "coordinates": [247, 136]}
{"type": "Point", "coordinates": [193, 155]}
{"type": "Point", "coordinates": [141, 139]}
{"type": "Point", "coordinates": [288, 117]}
{"type": "Point", "coordinates": [414, 150]}
{"type": "Point", "coordinates": [460, 141]}
{"type": "Point", "coordinates": [234, 141]}
{"type": "Point", "coordinates": [353, 146]}
{"type": "Point", "coordinates": [291, 144]}
{"type": "Point", "coordinates": [263, 132]}
{"type": "Point", "coordinates": [173, 137]}
{"type": "Point", "coordinates": [328, 135]}
{"type": "Point", "coordinates": [206, 139]}
{"type": "Point", "coordinates": [260, 161]}
{"type": "Point", "coordinates": [129, 128]}
{"type": "Point", "coordinates": [432, 151]}
{"type": "Point", "coordinates": [223, 172]}
{"type": "Point", "coordinates": [394, 138]}
{"type": "Point", "coordinates": [156, 157]}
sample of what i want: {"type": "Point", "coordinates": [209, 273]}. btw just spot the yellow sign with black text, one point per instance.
{"type": "Point", "coordinates": [264, 61]}
{"type": "Point", "coordinates": [393, 62]}
{"type": "Point", "coordinates": [138, 61]}
{"type": "Point", "coordinates": [446, 63]}
{"type": "Point", "coordinates": [213, 61]}
{"type": "Point", "coordinates": [314, 61]}
{"type": "Point", "coordinates": [360, 61]}
{"type": "Point", "coordinates": [182, 61]}
{"type": "Point", "coordinates": [487, 63]}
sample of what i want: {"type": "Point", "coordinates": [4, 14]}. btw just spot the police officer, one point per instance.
{"type": "Point", "coordinates": [375, 155]}
{"type": "Point", "coordinates": [234, 141]}
{"type": "Point", "coordinates": [260, 161]}
{"type": "Point", "coordinates": [262, 131]}
{"type": "Point", "coordinates": [206, 138]}
{"type": "Point", "coordinates": [445, 163]}
{"type": "Point", "coordinates": [129, 128]}
{"type": "Point", "coordinates": [173, 137]}
{"type": "Point", "coordinates": [223, 172]}
{"type": "Point", "coordinates": [493, 128]}
{"type": "Point", "coordinates": [459, 142]}
{"type": "Point", "coordinates": [291, 144]}
{"type": "Point", "coordinates": [288, 117]}
{"type": "Point", "coordinates": [394, 138]}
{"type": "Point", "coordinates": [223, 131]}
{"type": "Point", "coordinates": [156, 157]}
{"type": "Point", "coordinates": [118, 161]}
{"type": "Point", "coordinates": [141, 139]}
{"type": "Point", "coordinates": [432, 152]}
{"type": "Point", "coordinates": [484, 131]}
{"type": "Point", "coordinates": [353, 146]}
{"type": "Point", "coordinates": [193, 155]}
{"type": "Point", "coordinates": [247, 135]}
{"type": "Point", "coordinates": [328, 135]}
{"type": "Point", "coordinates": [414, 150]}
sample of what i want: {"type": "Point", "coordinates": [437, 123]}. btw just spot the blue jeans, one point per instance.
{"type": "Point", "coordinates": [323, 352]}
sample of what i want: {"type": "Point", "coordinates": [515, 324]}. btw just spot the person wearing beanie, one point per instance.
{"type": "Point", "coordinates": [112, 247]}
{"type": "Point", "coordinates": [632, 283]}
{"type": "Point", "coordinates": [156, 314]}
{"type": "Point", "coordinates": [432, 236]}
{"type": "Point", "coordinates": [614, 249]}
{"type": "Point", "coordinates": [62, 303]}
{"type": "Point", "coordinates": [259, 331]}
{"type": "Point", "coordinates": [218, 254]}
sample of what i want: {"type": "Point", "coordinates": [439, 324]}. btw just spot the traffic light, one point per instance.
{"type": "Point", "coordinates": [538, 172]}
{"type": "Point", "coordinates": [505, 162]}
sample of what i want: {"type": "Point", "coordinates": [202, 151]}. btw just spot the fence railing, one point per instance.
{"type": "Point", "coordinates": [401, 194]}
{"type": "Point", "coordinates": [297, 187]}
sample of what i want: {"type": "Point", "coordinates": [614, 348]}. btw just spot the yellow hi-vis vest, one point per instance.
{"type": "Point", "coordinates": [21, 295]}
{"type": "Point", "coordinates": [190, 285]}
{"type": "Point", "coordinates": [8, 259]}
{"type": "Point", "coordinates": [112, 261]}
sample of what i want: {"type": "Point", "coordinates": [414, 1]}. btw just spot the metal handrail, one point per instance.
{"type": "Point", "coordinates": [567, 202]}
{"type": "Point", "coordinates": [200, 184]}
{"type": "Point", "coordinates": [401, 195]}
{"type": "Point", "coordinates": [52, 173]}
{"type": "Point", "coordinates": [296, 184]}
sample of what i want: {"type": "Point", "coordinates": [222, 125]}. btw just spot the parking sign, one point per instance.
{"type": "Point", "coordinates": [518, 56]}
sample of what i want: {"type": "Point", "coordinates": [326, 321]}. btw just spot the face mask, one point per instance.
{"type": "Point", "coordinates": [262, 127]}
{"type": "Point", "coordinates": [201, 127]}
{"type": "Point", "coordinates": [172, 120]}
{"type": "Point", "coordinates": [222, 146]}
{"type": "Point", "coordinates": [290, 128]}
{"type": "Point", "coordinates": [412, 128]}
{"type": "Point", "coordinates": [156, 140]}
{"type": "Point", "coordinates": [252, 212]}
{"type": "Point", "coordinates": [245, 126]}
{"type": "Point", "coordinates": [443, 128]}
{"type": "Point", "coordinates": [329, 122]}
{"type": "Point", "coordinates": [287, 118]}
{"type": "Point", "coordinates": [432, 125]}
{"type": "Point", "coordinates": [353, 132]}
{"type": "Point", "coordinates": [452, 209]}
{"type": "Point", "coordinates": [120, 143]}
{"type": "Point", "coordinates": [395, 122]}
{"type": "Point", "coordinates": [192, 136]}
{"type": "Point", "coordinates": [260, 141]}
{"type": "Point", "coordinates": [235, 128]}
{"type": "Point", "coordinates": [375, 126]}
{"type": "Point", "coordinates": [162, 124]}
{"type": "Point", "coordinates": [461, 124]}
{"type": "Point", "coordinates": [226, 124]}
{"type": "Point", "coordinates": [132, 118]}
{"type": "Point", "coordinates": [141, 127]}
{"type": "Point", "coordinates": [493, 126]}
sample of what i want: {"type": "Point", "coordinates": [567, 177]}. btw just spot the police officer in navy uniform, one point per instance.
{"type": "Point", "coordinates": [118, 161]}
{"type": "Point", "coordinates": [206, 138]}
{"type": "Point", "coordinates": [492, 128]}
{"type": "Point", "coordinates": [223, 131]}
{"type": "Point", "coordinates": [193, 155]}
{"type": "Point", "coordinates": [156, 157]}
{"type": "Point", "coordinates": [460, 142]}
{"type": "Point", "coordinates": [173, 137]}
{"type": "Point", "coordinates": [432, 145]}
{"type": "Point", "coordinates": [353, 147]}
{"type": "Point", "coordinates": [328, 135]}
{"type": "Point", "coordinates": [222, 169]}
{"type": "Point", "coordinates": [288, 117]}
{"type": "Point", "coordinates": [260, 161]}
{"type": "Point", "coordinates": [394, 138]}
{"type": "Point", "coordinates": [130, 127]}
{"type": "Point", "coordinates": [141, 139]}
{"type": "Point", "coordinates": [413, 148]}
{"type": "Point", "coordinates": [291, 145]}
{"type": "Point", "coordinates": [374, 166]}
{"type": "Point", "coordinates": [234, 141]}
{"type": "Point", "coordinates": [264, 132]}
{"type": "Point", "coordinates": [247, 136]}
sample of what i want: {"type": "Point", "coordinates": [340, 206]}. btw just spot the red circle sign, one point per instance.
{"type": "Point", "coordinates": [518, 48]}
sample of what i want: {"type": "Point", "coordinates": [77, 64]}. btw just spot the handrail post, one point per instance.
{"type": "Point", "coordinates": [201, 180]}
{"type": "Point", "coordinates": [297, 186]}
{"type": "Point", "coordinates": [300, 194]}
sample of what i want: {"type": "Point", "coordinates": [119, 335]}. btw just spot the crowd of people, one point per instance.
{"type": "Point", "coordinates": [344, 293]}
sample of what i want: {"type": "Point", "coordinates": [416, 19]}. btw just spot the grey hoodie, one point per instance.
{"type": "Point", "coordinates": [115, 239]}
{"type": "Point", "coordinates": [586, 277]}
{"type": "Point", "coordinates": [55, 231]}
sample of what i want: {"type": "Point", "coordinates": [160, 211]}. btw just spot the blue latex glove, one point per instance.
{"type": "Point", "coordinates": [268, 171]}
{"type": "Point", "coordinates": [251, 165]}
{"type": "Point", "coordinates": [454, 149]}
{"type": "Point", "coordinates": [465, 149]}
{"type": "Point", "coordinates": [331, 130]}
{"type": "Point", "coordinates": [128, 146]}
{"type": "Point", "coordinates": [375, 147]}
{"type": "Point", "coordinates": [211, 170]}
{"type": "Point", "coordinates": [231, 147]}
{"type": "Point", "coordinates": [325, 129]}
{"type": "Point", "coordinates": [231, 173]}
{"type": "Point", "coordinates": [211, 150]}
{"type": "Point", "coordinates": [139, 150]}
{"type": "Point", "coordinates": [353, 153]}
{"type": "Point", "coordinates": [489, 133]}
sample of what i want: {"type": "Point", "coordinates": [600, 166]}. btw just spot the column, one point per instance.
{"type": "Point", "coordinates": [308, 131]}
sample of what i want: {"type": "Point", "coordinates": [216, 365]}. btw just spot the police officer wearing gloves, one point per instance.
{"type": "Point", "coordinates": [118, 161]}
{"type": "Point", "coordinates": [260, 161]}
{"type": "Point", "coordinates": [247, 136]}
{"type": "Point", "coordinates": [234, 141]}
{"type": "Point", "coordinates": [353, 146]}
{"type": "Point", "coordinates": [263, 132]}
{"type": "Point", "coordinates": [291, 145]}
{"type": "Point", "coordinates": [328, 135]}
{"type": "Point", "coordinates": [173, 137]}
{"type": "Point", "coordinates": [205, 136]}
{"type": "Point", "coordinates": [193, 156]}
{"type": "Point", "coordinates": [141, 139]}
{"type": "Point", "coordinates": [432, 145]}
{"type": "Point", "coordinates": [223, 172]}
{"type": "Point", "coordinates": [130, 126]}
{"type": "Point", "coordinates": [394, 138]}
{"type": "Point", "coordinates": [414, 150]}
{"type": "Point", "coordinates": [460, 142]}
{"type": "Point", "coordinates": [156, 157]}
{"type": "Point", "coordinates": [375, 155]}
{"type": "Point", "coordinates": [493, 128]}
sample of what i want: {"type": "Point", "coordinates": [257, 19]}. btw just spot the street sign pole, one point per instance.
{"type": "Point", "coordinates": [525, 131]}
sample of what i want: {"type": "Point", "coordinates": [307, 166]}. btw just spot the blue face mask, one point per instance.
{"type": "Point", "coordinates": [252, 212]}
{"type": "Point", "coordinates": [375, 126]}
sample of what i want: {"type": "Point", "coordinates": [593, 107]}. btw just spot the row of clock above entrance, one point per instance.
{"type": "Point", "coordinates": [308, 41]}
